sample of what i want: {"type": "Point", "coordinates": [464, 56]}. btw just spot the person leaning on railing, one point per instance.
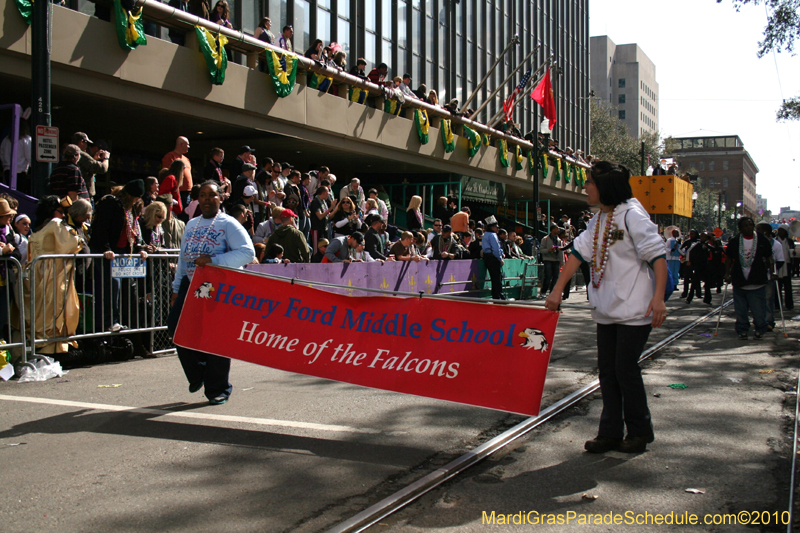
{"type": "Point", "coordinates": [57, 307]}
{"type": "Point", "coordinates": [115, 230]}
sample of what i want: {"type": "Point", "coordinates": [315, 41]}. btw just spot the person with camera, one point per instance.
{"type": "Point", "coordinates": [347, 219]}
{"type": "Point", "coordinates": [89, 164]}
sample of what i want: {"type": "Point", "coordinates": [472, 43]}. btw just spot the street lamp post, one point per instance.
{"type": "Point", "coordinates": [545, 131]}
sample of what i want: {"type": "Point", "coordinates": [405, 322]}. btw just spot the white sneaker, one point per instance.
{"type": "Point", "coordinates": [116, 328]}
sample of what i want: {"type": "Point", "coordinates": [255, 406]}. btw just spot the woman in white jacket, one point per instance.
{"type": "Point", "coordinates": [627, 261]}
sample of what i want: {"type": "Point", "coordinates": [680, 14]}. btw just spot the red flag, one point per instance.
{"type": "Point", "coordinates": [543, 95]}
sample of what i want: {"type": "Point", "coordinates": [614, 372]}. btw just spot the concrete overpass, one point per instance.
{"type": "Point", "coordinates": [144, 98]}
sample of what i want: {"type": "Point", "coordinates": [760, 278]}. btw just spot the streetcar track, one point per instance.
{"type": "Point", "coordinates": [422, 486]}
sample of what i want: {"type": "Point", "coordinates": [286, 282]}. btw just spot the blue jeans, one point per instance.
{"type": "Point", "coordinates": [674, 268]}
{"type": "Point", "coordinates": [769, 299]}
{"type": "Point", "coordinates": [753, 300]}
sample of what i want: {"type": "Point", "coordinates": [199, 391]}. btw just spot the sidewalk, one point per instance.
{"type": "Point", "coordinates": [728, 434]}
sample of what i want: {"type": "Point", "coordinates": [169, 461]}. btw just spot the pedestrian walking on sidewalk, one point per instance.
{"type": "Point", "coordinates": [211, 239]}
{"type": "Point", "coordinates": [627, 260]}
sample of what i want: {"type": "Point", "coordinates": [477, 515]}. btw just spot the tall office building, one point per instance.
{"type": "Point", "coordinates": [625, 77]}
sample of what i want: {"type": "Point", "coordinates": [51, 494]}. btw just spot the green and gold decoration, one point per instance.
{"type": "Point", "coordinates": [423, 125]}
{"type": "Point", "coordinates": [447, 135]}
{"type": "Point", "coordinates": [558, 168]}
{"type": "Point", "coordinates": [567, 172]}
{"type": "Point", "coordinates": [320, 82]}
{"type": "Point", "coordinates": [485, 139]}
{"type": "Point", "coordinates": [213, 48]}
{"type": "Point", "coordinates": [532, 162]}
{"type": "Point", "coordinates": [473, 140]}
{"type": "Point", "coordinates": [130, 30]}
{"type": "Point", "coordinates": [520, 159]}
{"type": "Point", "coordinates": [358, 95]}
{"type": "Point", "coordinates": [502, 149]}
{"type": "Point", "coordinates": [393, 107]}
{"type": "Point", "coordinates": [26, 10]}
{"type": "Point", "coordinates": [283, 69]}
{"type": "Point", "coordinates": [583, 176]}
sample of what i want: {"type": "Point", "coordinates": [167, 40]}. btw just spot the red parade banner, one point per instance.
{"type": "Point", "coordinates": [487, 355]}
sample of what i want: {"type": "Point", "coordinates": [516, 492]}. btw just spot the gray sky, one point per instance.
{"type": "Point", "coordinates": [711, 79]}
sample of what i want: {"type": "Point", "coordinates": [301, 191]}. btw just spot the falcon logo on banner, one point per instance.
{"type": "Point", "coordinates": [511, 101]}
{"type": "Point", "coordinates": [481, 354]}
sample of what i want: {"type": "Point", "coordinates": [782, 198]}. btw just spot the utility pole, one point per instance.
{"type": "Point", "coordinates": [40, 86]}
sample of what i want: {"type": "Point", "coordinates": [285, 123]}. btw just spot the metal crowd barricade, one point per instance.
{"type": "Point", "coordinates": [515, 281]}
{"type": "Point", "coordinates": [142, 304]}
{"type": "Point", "coordinates": [12, 306]}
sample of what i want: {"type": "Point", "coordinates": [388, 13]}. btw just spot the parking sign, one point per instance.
{"type": "Point", "coordinates": [47, 144]}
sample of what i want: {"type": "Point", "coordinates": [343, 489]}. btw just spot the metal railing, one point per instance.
{"type": "Point", "coordinates": [76, 297]}
{"type": "Point", "coordinates": [11, 304]}
{"type": "Point", "coordinates": [168, 16]}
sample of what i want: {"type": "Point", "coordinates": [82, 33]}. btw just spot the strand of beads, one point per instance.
{"type": "Point", "coordinates": [747, 258]}
{"type": "Point", "coordinates": [598, 271]}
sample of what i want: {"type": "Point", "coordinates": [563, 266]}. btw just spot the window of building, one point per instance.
{"type": "Point", "coordinates": [302, 25]}
{"type": "Point", "coordinates": [323, 23]}
{"type": "Point", "coordinates": [724, 182]}
{"type": "Point", "coordinates": [402, 9]}
{"type": "Point", "coordinates": [343, 32]}
{"type": "Point", "coordinates": [621, 113]}
{"type": "Point", "coordinates": [701, 165]}
{"type": "Point", "coordinates": [711, 165]}
{"type": "Point", "coordinates": [621, 99]}
{"type": "Point", "coordinates": [277, 14]}
{"type": "Point", "coordinates": [724, 165]}
{"type": "Point", "coordinates": [621, 83]}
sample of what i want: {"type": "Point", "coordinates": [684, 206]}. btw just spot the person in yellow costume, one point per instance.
{"type": "Point", "coordinates": [57, 308]}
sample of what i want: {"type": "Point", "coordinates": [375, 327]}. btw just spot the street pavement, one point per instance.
{"type": "Point", "coordinates": [296, 453]}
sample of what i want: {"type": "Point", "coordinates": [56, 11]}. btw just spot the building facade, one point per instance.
{"type": "Point", "coordinates": [761, 204]}
{"type": "Point", "coordinates": [722, 164]}
{"type": "Point", "coordinates": [448, 45]}
{"type": "Point", "coordinates": [624, 76]}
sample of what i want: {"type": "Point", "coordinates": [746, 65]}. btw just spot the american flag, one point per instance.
{"type": "Point", "coordinates": [510, 102]}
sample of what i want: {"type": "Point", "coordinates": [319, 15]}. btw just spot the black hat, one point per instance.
{"type": "Point", "coordinates": [284, 166]}
{"type": "Point", "coordinates": [373, 218]}
{"type": "Point", "coordinates": [248, 166]}
{"type": "Point", "coordinates": [358, 237]}
{"type": "Point", "coordinates": [447, 228]}
{"type": "Point", "coordinates": [134, 188]}
{"type": "Point", "coordinates": [246, 148]}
